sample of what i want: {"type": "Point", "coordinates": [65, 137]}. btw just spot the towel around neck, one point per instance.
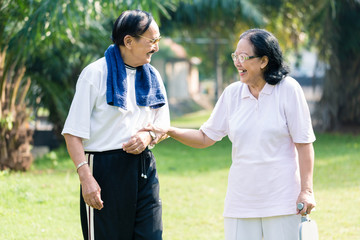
{"type": "Point", "coordinates": [147, 87]}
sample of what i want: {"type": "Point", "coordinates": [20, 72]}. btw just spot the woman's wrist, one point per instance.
{"type": "Point", "coordinates": [170, 131]}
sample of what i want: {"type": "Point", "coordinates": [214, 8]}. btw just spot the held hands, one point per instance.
{"type": "Point", "coordinates": [160, 133]}
{"type": "Point", "coordinates": [138, 142]}
{"type": "Point", "coordinates": [143, 138]}
{"type": "Point", "coordinates": [307, 198]}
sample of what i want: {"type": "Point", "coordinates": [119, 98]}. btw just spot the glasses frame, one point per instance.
{"type": "Point", "coordinates": [153, 41]}
{"type": "Point", "coordinates": [235, 57]}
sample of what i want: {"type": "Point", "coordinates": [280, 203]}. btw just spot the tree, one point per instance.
{"type": "Point", "coordinates": [331, 26]}
{"type": "Point", "coordinates": [209, 29]}
{"type": "Point", "coordinates": [15, 136]}
{"type": "Point", "coordinates": [55, 78]}
{"type": "Point", "coordinates": [335, 29]}
{"type": "Point", "coordinates": [29, 33]}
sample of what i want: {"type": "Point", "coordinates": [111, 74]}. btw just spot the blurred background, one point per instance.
{"type": "Point", "coordinates": [44, 45]}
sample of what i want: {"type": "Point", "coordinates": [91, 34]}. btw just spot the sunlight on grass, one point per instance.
{"type": "Point", "coordinates": [336, 213]}
{"type": "Point", "coordinates": [44, 205]}
{"type": "Point", "coordinates": [191, 120]}
{"type": "Point", "coordinates": [193, 205]}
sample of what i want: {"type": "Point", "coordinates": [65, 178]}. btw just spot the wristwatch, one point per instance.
{"type": "Point", "coordinates": [152, 135]}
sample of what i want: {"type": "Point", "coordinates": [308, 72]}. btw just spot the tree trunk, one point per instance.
{"type": "Point", "coordinates": [15, 135]}
{"type": "Point", "coordinates": [339, 107]}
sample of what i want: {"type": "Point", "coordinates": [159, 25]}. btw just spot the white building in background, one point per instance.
{"type": "Point", "coordinates": [308, 71]}
{"type": "Point", "coordinates": [306, 67]}
{"type": "Point", "coordinates": [180, 73]}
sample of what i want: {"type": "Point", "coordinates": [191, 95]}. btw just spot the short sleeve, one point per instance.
{"type": "Point", "coordinates": [78, 120]}
{"type": "Point", "coordinates": [298, 114]}
{"type": "Point", "coordinates": [216, 127]}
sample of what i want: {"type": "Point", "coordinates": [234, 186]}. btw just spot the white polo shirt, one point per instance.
{"type": "Point", "coordinates": [264, 177]}
{"type": "Point", "coordinates": [103, 127]}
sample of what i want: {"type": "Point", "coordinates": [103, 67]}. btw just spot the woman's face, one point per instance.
{"type": "Point", "coordinates": [143, 47]}
{"type": "Point", "coordinates": [251, 69]}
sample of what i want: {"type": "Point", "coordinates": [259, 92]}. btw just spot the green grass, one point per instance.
{"type": "Point", "coordinates": [191, 120]}
{"type": "Point", "coordinates": [43, 203]}
{"type": "Point", "coordinates": [337, 186]}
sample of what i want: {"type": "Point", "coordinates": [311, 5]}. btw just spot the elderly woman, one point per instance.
{"type": "Point", "coordinates": [267, 119]}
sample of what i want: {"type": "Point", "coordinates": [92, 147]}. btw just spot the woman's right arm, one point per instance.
{"type": "Point", "coordinates": [190, 137]}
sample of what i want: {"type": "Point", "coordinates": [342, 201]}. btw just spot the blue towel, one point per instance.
{"type": "Point", "coordinates": [147, 87]}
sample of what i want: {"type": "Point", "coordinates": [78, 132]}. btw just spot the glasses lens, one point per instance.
{"type": "Point", "coordinates": [156, 40]}
{"type": "Point", "coordinates": [233, 56]}
{"type": "Point", "coordinates": [242, 58]}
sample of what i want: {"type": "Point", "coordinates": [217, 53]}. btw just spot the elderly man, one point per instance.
{"type": "Point", "coordinates": [115, 97]}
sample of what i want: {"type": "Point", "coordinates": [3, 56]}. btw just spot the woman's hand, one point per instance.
{"type": "Point", "coordinates": [160, 133]}
{"type": "Point", "coordinates": [190, 137]}
{"type": "Point", "coordinates": [307, 198]}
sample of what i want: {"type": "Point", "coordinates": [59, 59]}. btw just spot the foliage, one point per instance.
{"type": "Point", "coordinates": [208, 29]}
{"type": "Point", "coordinates": [331, 26]}
{"type": "Point", "coordinates": [52, 40]}
{"type": "Point", "coordinates": [337, 41]}
{"type": "Point", "coordinates": [84, 42]}
{"type": "Point", "coordinates": [14, 133]}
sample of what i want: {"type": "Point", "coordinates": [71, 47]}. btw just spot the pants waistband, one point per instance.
{"type": "Point", "coordinates": [115, 151]}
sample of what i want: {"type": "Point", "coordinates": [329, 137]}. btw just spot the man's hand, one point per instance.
{"type": "Point", "coordinates": [90, 190]}
{"type": "Point", "coordinates": [137, 143]}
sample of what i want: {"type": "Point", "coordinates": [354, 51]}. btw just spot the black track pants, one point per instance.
{"type": "Point", "coordinates": [130, 191]}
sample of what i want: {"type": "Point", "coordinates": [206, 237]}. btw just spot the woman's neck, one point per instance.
{"type": "Point", "coordinates": [256, 88]}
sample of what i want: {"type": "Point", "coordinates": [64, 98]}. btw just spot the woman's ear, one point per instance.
{"type": "Point", "coordinates": [128, 41]}
{"type": "Point", "coordinates": [264, 62]}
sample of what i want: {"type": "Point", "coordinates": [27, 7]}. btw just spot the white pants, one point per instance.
{"type": "Point", "coordinates": [269, 228]}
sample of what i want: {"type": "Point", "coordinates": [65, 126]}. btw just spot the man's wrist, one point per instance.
{"type": "Point", "coordinates": [84, 173]}
{"type": "Point", "coordinates": [152, 135]}
{"type": "Point", "coordinates": [83, 163]}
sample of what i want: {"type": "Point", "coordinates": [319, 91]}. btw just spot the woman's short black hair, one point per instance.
{"type": "Point", "coordinates": [130, 22]}
{"type": "Point", "coordinates": [266, 44]}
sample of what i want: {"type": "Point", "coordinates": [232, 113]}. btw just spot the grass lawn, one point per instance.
{"type": "Point", "coordinates": [43, 203]}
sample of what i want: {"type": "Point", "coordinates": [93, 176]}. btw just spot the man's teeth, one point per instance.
{"type": "Point", "coordinates": [242, 71]}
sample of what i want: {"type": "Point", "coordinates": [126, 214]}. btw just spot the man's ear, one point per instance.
{"type": "Point", "coordinates": [264, 62]}
{"type": "Point", "coordinates": [128, 41]}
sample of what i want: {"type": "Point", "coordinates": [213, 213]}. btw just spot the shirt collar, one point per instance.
{"type": "Point", "coordinates": [129, 67]}
{"type": "Point", "coordinates": [267, 89]}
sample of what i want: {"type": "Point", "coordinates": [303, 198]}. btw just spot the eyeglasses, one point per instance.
{"type": "Point", "coordinates": [241, 57]}
{"type": "Point", "coordinates": [153, 41]}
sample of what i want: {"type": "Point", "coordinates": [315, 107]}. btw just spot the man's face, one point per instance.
{"type": "Point", "coordinates": [144, 47]}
